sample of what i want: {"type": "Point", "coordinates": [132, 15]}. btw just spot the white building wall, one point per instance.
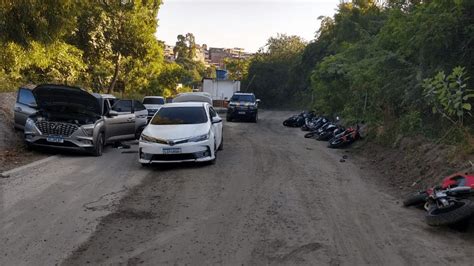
{"type": "Point", "coordinates": [220, 89]}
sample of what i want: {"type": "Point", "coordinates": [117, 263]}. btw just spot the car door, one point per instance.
{"type": "Point", "coordinates": [216, 127]}
{"type": "Point", "coordinates": [141, 115]}
{"type": "Point", "coordinates": [121, 126]}
{"type": "Point", "coordinates": [24, 107]}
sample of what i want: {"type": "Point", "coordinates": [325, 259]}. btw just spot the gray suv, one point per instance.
{"type": "Point", "coordinates": [71, 118]}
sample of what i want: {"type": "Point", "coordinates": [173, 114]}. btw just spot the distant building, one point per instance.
{"type": "Point", "coordinates": [210, 56]}
{"type": "Point", "coordinates": [220, 89]}
{"type": "Point", "coordinates": [169, 53]}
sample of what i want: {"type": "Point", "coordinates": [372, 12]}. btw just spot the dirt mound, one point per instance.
{"type": "Point", "coordinates": [414, 164]}
{"type": "Point", "coordinates": [9, 138]}
{"type": "Point", "coordinates": [12, 150]}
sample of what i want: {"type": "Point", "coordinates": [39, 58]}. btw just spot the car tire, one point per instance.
{"type": "Point", "coordinates": [255, 118]}
{"type": "Point", "coordinates": [99, 145]}
{"type": "Point", "coordinates": [221, 146]}
{"type": "Point", "coordinates": [28, 146]}
{"type": "Point", "coordinates": [139, 131]}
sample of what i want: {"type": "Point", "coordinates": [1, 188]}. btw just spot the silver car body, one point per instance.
{"type": "Point", "coordinates": [94, 115]}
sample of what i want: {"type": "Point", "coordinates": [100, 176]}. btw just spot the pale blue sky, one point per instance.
{"type": "Point", "coordinates": [244, 23]}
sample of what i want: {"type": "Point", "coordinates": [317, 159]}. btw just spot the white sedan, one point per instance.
{"type": "Point", "coordinates": [182, 132]}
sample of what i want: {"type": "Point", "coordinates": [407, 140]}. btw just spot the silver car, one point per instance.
{"type": "Point", "coordinates": [71, 118]}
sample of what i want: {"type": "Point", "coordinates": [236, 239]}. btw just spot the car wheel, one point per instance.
{"type": "Point", "coordinates": [221, 146]}
{"type": "Point", "coordinates": [255, 119]}
{"type": "Point", "coordinates": [28, 146]}
{"type": "Point", "coordinates": [99, 145]}
{"type": "Point", "coordinates": [138, 133]}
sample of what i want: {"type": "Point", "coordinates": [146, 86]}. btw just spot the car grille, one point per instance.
{"type": "Point", "coordinates": [55, 128]}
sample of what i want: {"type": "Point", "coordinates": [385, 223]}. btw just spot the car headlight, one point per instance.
{"type": "Point", "coordinates": [88, 129]}
{"type": "Point", "coordinates": [199, 138]}
{"type": "Point", "coordinates": [30, 123]}
{"type": "Point", "coordinates": [147, 138]}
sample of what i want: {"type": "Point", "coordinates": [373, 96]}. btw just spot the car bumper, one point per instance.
{"type": "Point", "coordinates": [189, 152]}
{"type": "Point", "coordinates": [69, 143]}
{"type": "Point", "coordinates": [241, 112]}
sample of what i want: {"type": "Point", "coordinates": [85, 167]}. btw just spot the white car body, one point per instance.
{"type": "Point", "coordinates": [171, 143]}
{"type": "Point", "coordinates": [193, 97]}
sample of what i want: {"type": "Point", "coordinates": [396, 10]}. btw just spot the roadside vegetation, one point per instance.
{"type": "Point", "coordinates": [103, 46]}
{"type": "Point", "coordinates": [404, 66]}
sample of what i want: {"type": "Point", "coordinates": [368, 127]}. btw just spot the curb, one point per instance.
{"type": "Point", "coordinates": [26, 166]}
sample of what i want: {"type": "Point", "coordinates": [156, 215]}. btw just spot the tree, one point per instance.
{"type": "Point", "coordinates": [237, 67]}
{"type": "Point", "coordinates": [269, 70]}
{"type": "Point", "coordinates": [110, 31]}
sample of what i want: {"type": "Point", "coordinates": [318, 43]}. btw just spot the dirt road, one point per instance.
{"type": "Point", "coordinates": [273, 197]}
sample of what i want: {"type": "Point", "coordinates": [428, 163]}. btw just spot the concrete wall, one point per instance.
{"type": "Point", "coordinates": [220, 89]}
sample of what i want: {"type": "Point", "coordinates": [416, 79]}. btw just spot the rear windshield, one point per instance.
{"type": "Point", "coordinates": [153, 101]}
{"type": "Point", "coordinates": [242, 98]}
{"type": "Point", "coordinates": [179, 116]}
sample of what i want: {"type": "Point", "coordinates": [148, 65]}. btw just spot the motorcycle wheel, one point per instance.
{"type": "Point", "coordinates": [416, 199]}
{"type": "Point", "coordinates": [458, 211]}
{"type": "Point", "coordinates": [309, 135]}
{"type": "Point", "coordinates": [337, 143]}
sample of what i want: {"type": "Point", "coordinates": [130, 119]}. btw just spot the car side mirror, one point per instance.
{"type": "Point", "coordinates": [113, 113]}
{"type": "Point", "coordinates": [216, 120]}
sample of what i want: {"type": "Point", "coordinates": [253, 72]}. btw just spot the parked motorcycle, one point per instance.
{"type": "Point", "coordinates": [315, 126]}
{"type": "Point", "coordinates": [447, 204]}
{"type": "Point", "coordinates": [297, 120]}
{"type": "Point", "coordinates": [329, 133]}
{"type": "Point", "coordinates": [345, 138]}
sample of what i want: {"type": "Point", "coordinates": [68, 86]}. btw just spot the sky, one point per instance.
{"type": "Point", "coordinates": [240, 23]}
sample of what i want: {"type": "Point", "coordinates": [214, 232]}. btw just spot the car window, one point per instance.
{"type": "Point", "coordinates": [106, 106]}
{"type": "Point", "coordinates": [179, 116]}
{"type": "Point", "coordinates": [25, 96]}
{"type": "Point", "coordinates": [212, 112]}
{"type": "Point", "coordinates": [123, 106]}
{"type": "Point", "coordinates": [242, 98]}
{"type": "Point", "coordinates": [138, 106]}
{"type": "Point", "coordinates": [153, 101]}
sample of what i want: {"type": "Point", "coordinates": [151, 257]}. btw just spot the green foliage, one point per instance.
{"type": "Point", "coordinates": [237, 68]}
{"type": "Point", "coordinates": [270, 69]}
{"type": "Point", "coordinates": [411, 123]}
{"type": "Point", "coordinates": [94, 44]}
{"type": "Point", "coordinates": [448, 95]}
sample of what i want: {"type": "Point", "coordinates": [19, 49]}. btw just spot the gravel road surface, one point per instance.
{"type": "Point", "coordinates": [273, 197]}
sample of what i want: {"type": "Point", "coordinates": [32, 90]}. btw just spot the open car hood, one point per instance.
{"type": "Point", "coordinates": [48, 96]}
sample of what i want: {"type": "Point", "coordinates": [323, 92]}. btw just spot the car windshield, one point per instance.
{"type": "Point", "coordinates": [243, 98]}
{"type": "Point", "coordinates": [153, 101]}
{"type": "Point", "coordinates": [179, 116]}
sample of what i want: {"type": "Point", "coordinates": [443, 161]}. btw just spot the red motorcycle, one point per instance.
{"type": "Point", "coordinates": [345, 138]}
{"type": "Point", "coordinates": [449, 203]}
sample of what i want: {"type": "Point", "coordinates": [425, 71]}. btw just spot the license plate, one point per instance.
{"type": "Point", "coordinates": [171, 150]}
{"type": "Point", "coordinates": [55, 139]}
{"type": "Point", "coordinates": [241, 113]}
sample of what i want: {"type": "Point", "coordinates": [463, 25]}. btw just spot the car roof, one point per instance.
{"type": "Point", "coordinates": [108, 96]}
{"type": "Point", "coordinates": [243, 93]}
{"type": "Point", "coordinates": [186, 104]}
{"type": "Point", "coordinates": [154, 97]}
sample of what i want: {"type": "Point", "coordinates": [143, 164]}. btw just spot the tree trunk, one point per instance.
{"type": "Point", "coordinates": [116, 73]}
